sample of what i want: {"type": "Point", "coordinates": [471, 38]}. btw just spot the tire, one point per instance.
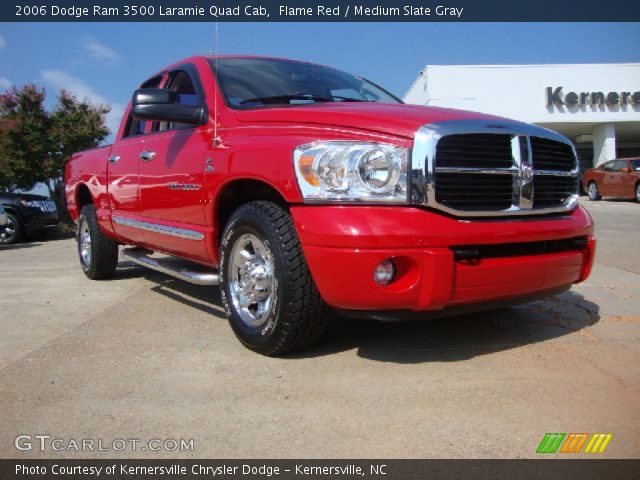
{"type": "Point", "coordinates": [263, 268]}
{"type": "Point", "coordinates": [638, 192]}
{"type": "Point", "coordinates": [12, 232]}
{"type": "Point", "coordinates": [593, 191]}
{"type": "Point", "coordinates": [98, 253]}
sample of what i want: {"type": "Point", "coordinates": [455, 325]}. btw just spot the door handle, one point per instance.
{"type": "Point", "coordinates": [147, 155]}
{"type": "Point", "coordinates": [114, 158]}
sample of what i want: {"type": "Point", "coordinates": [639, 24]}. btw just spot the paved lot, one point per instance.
{"type": "Point", "coordinates": [144, 356]}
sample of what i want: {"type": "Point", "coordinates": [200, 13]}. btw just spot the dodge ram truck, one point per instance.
{"type": "Point", "coordinates": [297, 188]}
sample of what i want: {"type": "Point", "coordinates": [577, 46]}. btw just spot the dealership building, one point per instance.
{"type": "Point", "coordinates": [597, 106]}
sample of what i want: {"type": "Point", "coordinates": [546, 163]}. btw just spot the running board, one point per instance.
{"type": "Point", "coordinates": [176, 267]}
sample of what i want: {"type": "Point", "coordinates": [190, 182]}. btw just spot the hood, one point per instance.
{"type": "Point", "coordinates": [389, 118]}
{"type": "Point", "coordinates": [22, 196]}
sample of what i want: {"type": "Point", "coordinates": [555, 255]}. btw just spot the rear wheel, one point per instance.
{"type": "Point", "coordinates": [12, 232]}
{"type": "Point", "coordinates": [593, 191]}
{"type": "Point", "coordinates": [98, 253]}
{"type": "Point", "coordinates": [267, 291]}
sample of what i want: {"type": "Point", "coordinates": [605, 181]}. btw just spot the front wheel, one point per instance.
{"type": "Point", "coordinates": [593, 191]}
{"type": "Point", "coordinates": [12, 231]}
{"type": "Point", "coordinates": [98, 253]}
{"type": "Point", "coordinates": [638, 192]}
{"type": "Point", "coordinates": [267, 291]}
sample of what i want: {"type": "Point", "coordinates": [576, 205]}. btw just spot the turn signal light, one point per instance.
{"type": "Point", "coordinates": [306, 169]}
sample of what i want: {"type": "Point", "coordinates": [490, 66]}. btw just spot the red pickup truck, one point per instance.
{"type": "Point", "coordinates": [297, 187]}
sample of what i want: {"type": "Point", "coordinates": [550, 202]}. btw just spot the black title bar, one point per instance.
{"type": "Point", "coordinates": [319, 11]}
{"type": "Point", "coordinates": [550, 469]}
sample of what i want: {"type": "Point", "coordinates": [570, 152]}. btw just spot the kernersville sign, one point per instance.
{"type": "Point", "coordinates": [556, 97]}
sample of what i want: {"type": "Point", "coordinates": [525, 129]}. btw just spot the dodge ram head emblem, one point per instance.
{"type": "Point", "coordinates": [525, 177]}
{"type": "Point", "coordinates": [526, 174]}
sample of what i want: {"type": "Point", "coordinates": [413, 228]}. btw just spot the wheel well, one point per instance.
{"type": "Point", "coordinates": [240, 192]}
{"type": "Point", "coordinates": [83, 197]}
{"type": "Point", "coordinates": [12, 211]}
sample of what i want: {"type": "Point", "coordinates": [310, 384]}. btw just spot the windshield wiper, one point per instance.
{"type": "Point", "coordinates": [302, 96]}
{"type": "Point", "coordinates": [286, 98]}
{"type": "Point", "coordinates": [350, 99]}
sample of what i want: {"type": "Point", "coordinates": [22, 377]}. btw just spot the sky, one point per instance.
{"type": "Point", "coordinates": [107, 61]}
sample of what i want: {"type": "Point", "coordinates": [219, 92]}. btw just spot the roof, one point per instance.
{"type": "Point", "coordinates": [213, 57]}
{"type": "Point", "coordinates": [537, 65]}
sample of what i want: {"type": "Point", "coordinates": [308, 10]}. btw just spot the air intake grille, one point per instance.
{"type": "Point", "coordinates": [551, 191]}
{"type": "Point", "coordinates": [484, 150]}
{"type": "Point", "coordinates": [47, 206]}
{"type": "Point", "coordinates": [550, 155]}
{"type": "Point", "coordinates": [470, 191]}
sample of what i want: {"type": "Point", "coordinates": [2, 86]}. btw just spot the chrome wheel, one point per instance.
{"type": "Point", "coordinates": [251, 283]}
{"type": "Point", "coordinates": [8, 233]}
{"type": "Point", "coordinates": [593, 191]}
{"type": "Point", "coordinates": [84, 244]}
{"type": "Point", "coordinates": [638, 193]}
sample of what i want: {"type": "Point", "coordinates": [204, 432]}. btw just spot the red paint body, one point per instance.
{"type": "Point", "coordinates": [342, 244]}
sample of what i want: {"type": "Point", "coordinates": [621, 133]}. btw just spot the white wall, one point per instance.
{"type": "Point", "coordinates": [519, 91]}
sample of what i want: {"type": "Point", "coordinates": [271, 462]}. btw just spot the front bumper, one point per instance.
{"type": "Point", "coordinates": [344, 244]}
{"type": "Point", "coordinates": [37, 221]}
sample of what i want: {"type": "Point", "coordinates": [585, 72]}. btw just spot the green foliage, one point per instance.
{"type": "Point", "coordinates": [24, 137]}
{"type": "Point", "coordinates": [36, 143]}
{"type": "Point", "coordinates": [75, 126]}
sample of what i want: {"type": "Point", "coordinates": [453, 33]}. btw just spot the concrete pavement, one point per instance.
{"type": "Point", "coordinates": [144, 356]}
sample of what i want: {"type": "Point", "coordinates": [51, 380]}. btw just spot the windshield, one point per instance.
{"type": "Point", "coordinates": [635, 164]}
{"type": "Point", "coordinates": [259, 82]}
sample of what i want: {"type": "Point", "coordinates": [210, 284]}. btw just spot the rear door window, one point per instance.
{"type": "Point", "coordinates": [137, 127]}
{"type": "Point", "coordinates": [619, 165]}
{"type": "Point", "coordinates": [181, 82]}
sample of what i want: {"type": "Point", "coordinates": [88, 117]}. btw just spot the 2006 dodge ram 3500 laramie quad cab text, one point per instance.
{"type": "Point", "coordinates": [297, 187]}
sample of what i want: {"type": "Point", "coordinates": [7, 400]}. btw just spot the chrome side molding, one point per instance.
{"type": "Point", "coordinates": [158, 228]}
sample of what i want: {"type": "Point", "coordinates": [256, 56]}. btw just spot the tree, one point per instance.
{"type": "Point", "coordinates": [24, 137]}
{"type": "Point", "coordinates": [35, 144]}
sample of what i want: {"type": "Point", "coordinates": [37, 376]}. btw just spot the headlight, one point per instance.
{"type": "Point", "coordinates": [352, 171]}
{"type": "Point", "coordinates": [29, 203]}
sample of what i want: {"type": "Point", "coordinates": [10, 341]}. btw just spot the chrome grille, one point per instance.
{"type": "Point", "coordinates": [475, 168]}
{"type": "Point", "coordinates": [47, 206]}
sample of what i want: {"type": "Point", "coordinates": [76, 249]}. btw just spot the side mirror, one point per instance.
{"type": "Point", "coordinates": [625, 170]}
{"type": "Point", "coordinates": [160, 105]}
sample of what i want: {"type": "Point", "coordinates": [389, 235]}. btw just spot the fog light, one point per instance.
{"type": "Point", "coordinates": [384, 273]}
